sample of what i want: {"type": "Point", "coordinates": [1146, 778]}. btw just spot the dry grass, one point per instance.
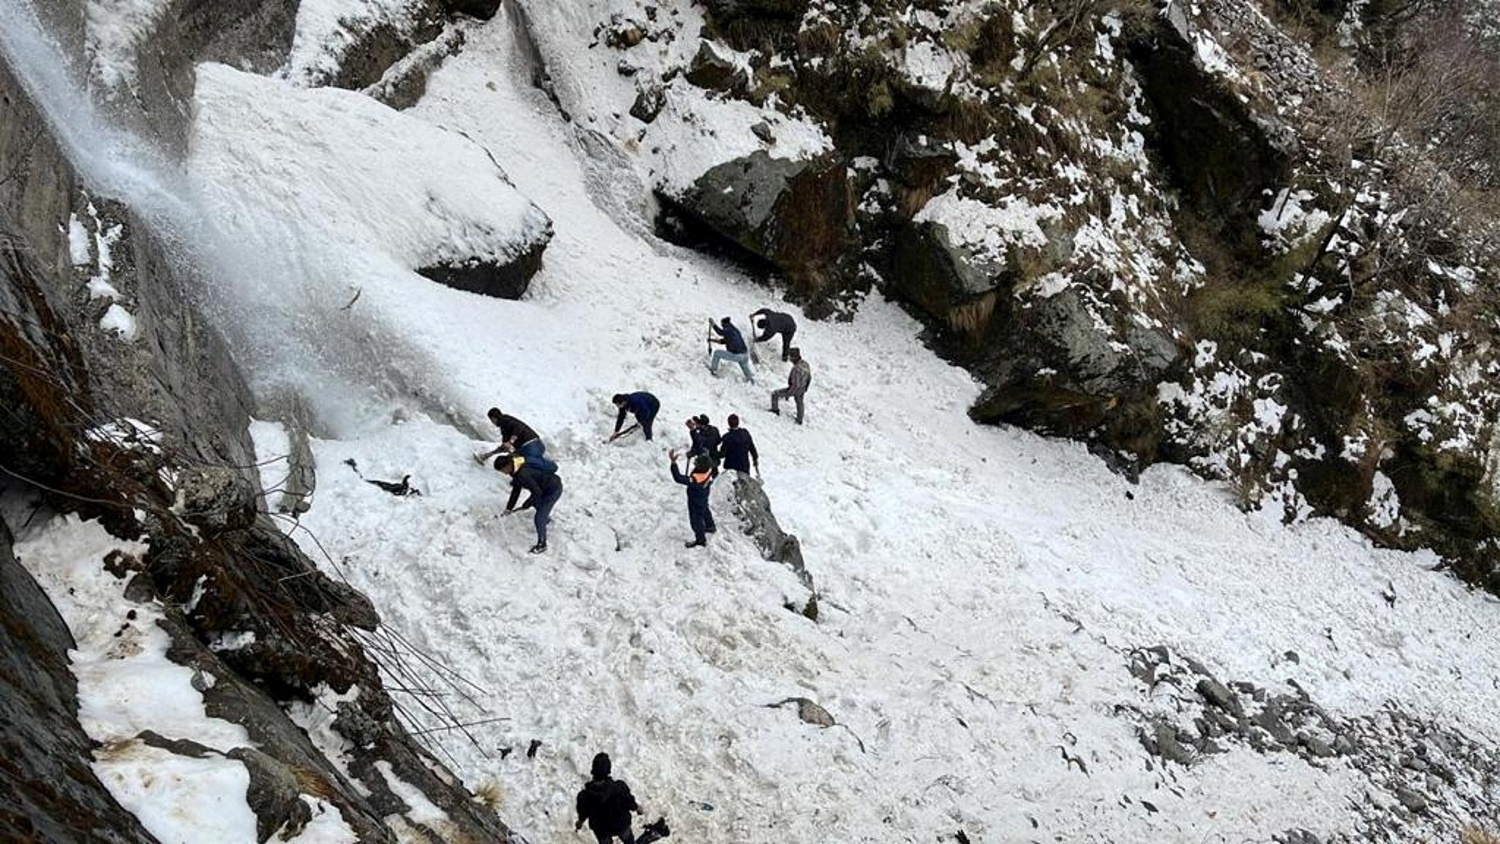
{"type": "Point", "coordinates": [1475, 835]}
{"type": "Point", "coordinates": [490, 794]}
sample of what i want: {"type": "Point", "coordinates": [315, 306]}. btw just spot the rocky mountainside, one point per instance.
{"type": "Point", "coordinates": [1250, 238]}
{"type": "Point", "coordinates": [1253, 238]}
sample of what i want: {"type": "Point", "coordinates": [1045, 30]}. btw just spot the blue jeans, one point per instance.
{"type": "Point", "coordinates": [532, 449]}
{"type": "Point", "coordinates": [741, 358]}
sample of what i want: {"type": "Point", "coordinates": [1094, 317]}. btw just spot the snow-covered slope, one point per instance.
{"type": "Point", "coordinates": [981, 588]}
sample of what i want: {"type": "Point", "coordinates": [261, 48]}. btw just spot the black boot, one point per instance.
{"type": "Point", "coordinates": [696, 543]}
{"type": "Point", "coordinates": [539, 548]}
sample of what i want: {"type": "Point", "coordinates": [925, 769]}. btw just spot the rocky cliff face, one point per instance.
{"type": "Point", "coordinates": [98, 330]}
{"type": "Point", "coordinates": [1188, 234]}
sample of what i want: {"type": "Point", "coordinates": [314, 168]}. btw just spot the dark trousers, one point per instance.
{"type": "Point", "coordinates": [543, 508]}
{"type": "Point", "coordinates": [625, 836]}
{"type": "Point", "coordinates": [532, 448]}
{"type": "Point", "coordinates": [645, 420]}
{"type": "Point", "coordinates": [701, 520]}
{"type": "Point", "coordinates": [786, 393]}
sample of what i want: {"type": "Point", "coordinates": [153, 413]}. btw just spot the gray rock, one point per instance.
{"type": "Point", "coordinates": [763, 131]}
{"type": "Point", "coordinates": [711, 68]}
{"type": "Point", "coordinates": [1219, 695]}
{"type": "Point", "coordinates": [273, 794]}
{"type": "Point", "coordinates": [216, 499]}
{"type": "Point", "coordinates": [1413, 801]}
{"type": "Point", "coordinates": [506, 277]}
{"type": "Point", "coordinates": [754, 510]}
{"type": "Point", "coordinates": [48, 790]}
{"type": "Point", "coordinates": [1317, 747]}
{"type": "Point", "coordinates": [793, 214]}
{"type": "Point", "coordinates": [648, 103]}
{"type": "Point", "coordinates": [808, 711]}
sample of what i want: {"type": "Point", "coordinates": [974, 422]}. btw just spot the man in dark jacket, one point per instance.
{"type": "Point", "coordinates": [738, 449]}
{"type": "Point", "coordinates": [705, 439]}
{"type": "Point", "coordinates": [515, 436]}
{"type": "Point", "coordinates": [797, 382]}
{"type": "Point", "coordinates": [773, 323]}
{"type": "Point", "coordinates": [545, 488]}
{"type": "Point", "coordinates": [645, 407]}
{"type": "Point", "coordinates": [605, 804]}
{"type": "Point", "coordinates": [734, 348]}
{"type": "Point", "coordinates": [698, 483]}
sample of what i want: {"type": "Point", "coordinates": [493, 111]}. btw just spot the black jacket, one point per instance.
{"type": "Point", "coordinates": [772, 323]}
{"type": "Point", "coordinates": [540, 484]}
{"type": "Point", "coordinates": [705, 442]}
{"type": "Point", "coordinates": [738, 449]}
{"type": "Point", "coordinates": [606, 804]}
{"type": "Point", "coordinates": [510, 426]}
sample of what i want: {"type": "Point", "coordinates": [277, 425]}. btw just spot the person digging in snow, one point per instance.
{"type": "Point", "coordinates": [545, 488]}
{"type": "Point", "coordinates": [738, 449]}
{"type": "Point", "coordinates": [605, 805]}
{"type": "Point", "coordinates": [796, 384]}
{"type": "Point", "coordinates": [705, 440]}
{"type": "Point", "coordinates": [773, 323]}
{"type": "Point", "coordinates": [645, 407]}
{"type": "Point", "coordinates": [515, 436]}
{"type": "Point", "coordinates": [699, 517]}
{"type": "Point", "coordinates": [734, 348]}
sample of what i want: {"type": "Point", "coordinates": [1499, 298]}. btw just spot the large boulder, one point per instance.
{"type": "Point", "coordinates": [1221, 150]}
{"type": "Point", "coordinates": [490, 277]}
{"type": "Point", "coordinates": [793, 213]}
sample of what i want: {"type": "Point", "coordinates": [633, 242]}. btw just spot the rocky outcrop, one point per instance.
{"type": "Point", "coordinates": [501, 279]}
{"type": "Point", "coordinates": [48, 791]}
{"type": "Point", "coordinates": [794, 214]}
{"type": "Point", "coordinates": [1222, 151]}
{"type": "Point", "coordinates": [754, 509]}
{"type": "Point", "coordinates": [139, 418]}
{"type": "Point", "coordinates": [1424, 779]}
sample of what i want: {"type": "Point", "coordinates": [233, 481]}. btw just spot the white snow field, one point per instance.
{"type": "Point", "coordinates": [980, 588]}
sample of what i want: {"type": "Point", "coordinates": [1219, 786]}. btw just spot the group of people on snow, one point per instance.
{"type": "Point", "coordinates": [604, 803]}
{"type": "Point", "coordinates": [521, 454]}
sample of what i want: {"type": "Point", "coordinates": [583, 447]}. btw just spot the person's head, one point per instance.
{"type": "Point", "coordinates": [795, 354]}
{"type": "Point", "coordinates": [505, 464]}
{"type": "Point", "coordinates": [619, 399]}
{"type": "Point", "coordinates": [702, 464]}
{"type": "Point", "coordinates": [724, 322]}
{"type": "Point", "coordinates": [703, 419]}
{"type": "Point", "coordinates": [601, 767]}
{"type": "Point", "coordinates": [495, 415]}
{"type": "Point", "coordinates": [691, 422]}
{"type": "Point", "coordinates": [734, 421]}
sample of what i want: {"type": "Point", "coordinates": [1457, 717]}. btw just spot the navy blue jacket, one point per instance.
{"type": "Point", "coordinates": [540, 484]}
{"type": "Point", "coordinates": [734, 342]}
{"type": "Point", "coordinates": [643, 405]}
{"type": "Point", "coordinates": [738, 449]}
{"type": "Point", "coordinates": [697, 492]}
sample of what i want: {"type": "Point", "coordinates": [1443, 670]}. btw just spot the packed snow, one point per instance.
{"type": "Point", "coordinates": [980, 588]}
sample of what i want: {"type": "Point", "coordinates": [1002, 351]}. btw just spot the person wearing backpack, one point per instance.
{"type": "Point", "coordinates": [545, 487]}
{"type": "Point", "coordinates": [605, 804]}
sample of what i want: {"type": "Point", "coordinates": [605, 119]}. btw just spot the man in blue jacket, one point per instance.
{"type": "Point", "coordinates": [645, 407]}
{"type": "Point", "coordinates": [698, 484]}
{"type": "Point", "coordinates": [734, 348]}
